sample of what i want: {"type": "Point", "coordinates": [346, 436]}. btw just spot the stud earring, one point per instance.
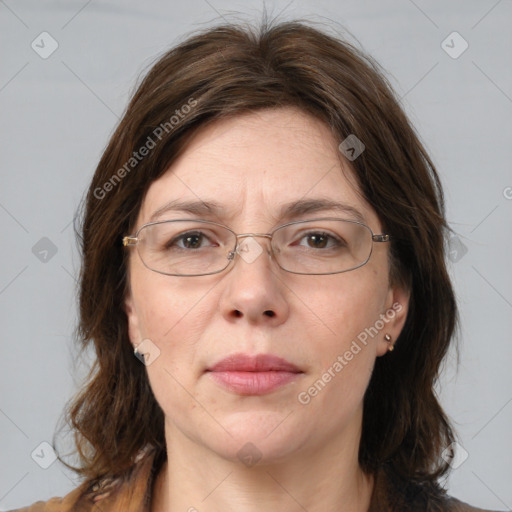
{"type": "Point", "coordinates": [389, 340]}
{"type": "Point", "coordinates": [139, 355]}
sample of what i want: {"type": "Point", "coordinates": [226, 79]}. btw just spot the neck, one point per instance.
{"type": "Point", "coordinates": [326, 477]}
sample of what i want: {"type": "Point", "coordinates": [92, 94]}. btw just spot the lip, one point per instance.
{"type": "Point", "coordinates": [259, 374]}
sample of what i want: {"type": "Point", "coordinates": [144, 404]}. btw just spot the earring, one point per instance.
{"type": "Point", "coordinates": [138, 355]}
{"type": "Point", "coordinates": [389, 340]}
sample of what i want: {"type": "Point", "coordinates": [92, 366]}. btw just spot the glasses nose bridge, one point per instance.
{"type": "Point", "coordinates": [261, 235]}
{"type": "Point", "coordinates": [243, 236]}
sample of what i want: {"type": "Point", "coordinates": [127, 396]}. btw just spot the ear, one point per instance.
{"type": "Point", "coordinates": [394, 316]}
{"type": "Point", "coordinates": [133, 321]}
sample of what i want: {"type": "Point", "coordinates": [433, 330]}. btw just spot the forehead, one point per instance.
{"type": "Point", "coordinates": [253, 167]}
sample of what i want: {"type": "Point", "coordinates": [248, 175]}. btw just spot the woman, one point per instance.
{"type": "Point", "coordinates": [265, 233]}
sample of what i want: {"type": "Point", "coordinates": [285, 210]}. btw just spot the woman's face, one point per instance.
{"type": "Point", "coordinates": [327, 328]}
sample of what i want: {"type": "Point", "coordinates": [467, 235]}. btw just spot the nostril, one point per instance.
{"type": "Point", "coordinates": [269, 313]}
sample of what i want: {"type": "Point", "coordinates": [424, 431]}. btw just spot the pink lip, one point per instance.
{"type": "Point", "coordinates": [253, 375]}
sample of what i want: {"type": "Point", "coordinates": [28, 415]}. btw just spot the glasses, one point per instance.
{"type": "Point", "coordinates": [200, 247]}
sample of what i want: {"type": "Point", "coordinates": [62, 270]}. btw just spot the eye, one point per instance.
{"type": "Point", "coordinates": [189, 240]}
{"type": "Point", "coordinates": [322, 240]}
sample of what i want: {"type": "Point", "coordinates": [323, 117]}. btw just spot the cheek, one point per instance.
{"type": "Point", "coordinates": [172, 315]}
{"type": "Point", "coordinates": [344, 352]}
{"type": "Point", "coordinates": [173, 374]}
{"type": "Point", "coordinates": [168, 307]}
{"type": "Point", "coordinates": [345, 306]}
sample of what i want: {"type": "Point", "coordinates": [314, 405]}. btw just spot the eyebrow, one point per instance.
{"type": "Point", "coordinates": [287, 211]}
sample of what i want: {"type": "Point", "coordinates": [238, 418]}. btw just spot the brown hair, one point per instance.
{"type": "Point", "coordinates": [224, 71]}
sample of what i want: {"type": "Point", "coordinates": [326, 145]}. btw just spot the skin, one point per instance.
{"type": "Point", "coordinates": [309, 452]}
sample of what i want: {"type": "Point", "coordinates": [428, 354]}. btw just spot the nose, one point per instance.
{"type": "Point", "coordinates": [254, 288]}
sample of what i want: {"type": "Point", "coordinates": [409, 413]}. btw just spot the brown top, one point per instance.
{"type": "Point", "coordinates": [133, 494]}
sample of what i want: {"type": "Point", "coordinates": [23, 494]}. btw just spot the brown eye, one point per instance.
{"type": "Point", "coordinates": [318, 241]}
{"type": "Point", "coordinates": [321, 240]}
{"type": "Point", "coordinates": [190, 240]}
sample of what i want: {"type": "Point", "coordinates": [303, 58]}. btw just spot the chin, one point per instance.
{"type": "Point", "coordinates": [262, 436]}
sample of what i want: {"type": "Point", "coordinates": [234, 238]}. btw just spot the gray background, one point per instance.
{"type": "Point", "coordinates": [57, 115]}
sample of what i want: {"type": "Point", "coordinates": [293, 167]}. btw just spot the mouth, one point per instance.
{"type": "Point", "coordinates": [253, 375]}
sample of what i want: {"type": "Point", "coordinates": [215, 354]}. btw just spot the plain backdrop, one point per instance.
{"type": "Point", "coordinates": [57, 114]}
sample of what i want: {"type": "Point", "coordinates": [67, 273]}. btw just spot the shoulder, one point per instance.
{"type": "Point", "coordinates": [55, 504]}
{"type": "Point", "coordinates": [129, 493]}
{"type": "Point", "coordinates": [81, 499]}
{"type": "Point", "coordinates": [393, 492]}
